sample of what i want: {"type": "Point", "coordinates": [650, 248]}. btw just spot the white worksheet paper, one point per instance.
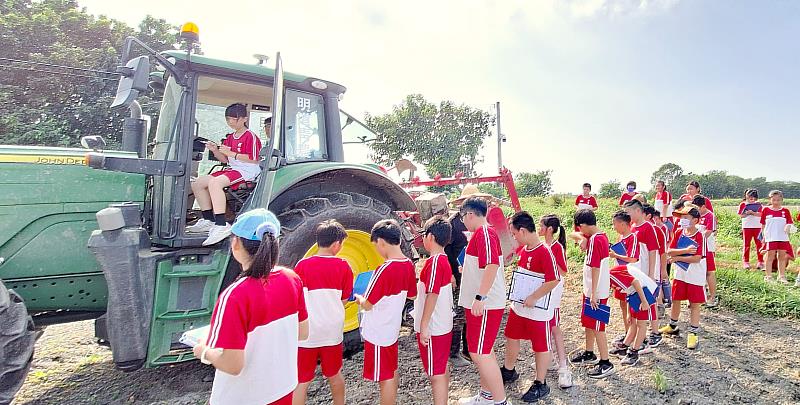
{"type": "Point", "coordinates": [523, 284]}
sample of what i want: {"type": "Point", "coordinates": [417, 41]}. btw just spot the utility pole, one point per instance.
{"type": "Point", "coordinates": [500, 138]}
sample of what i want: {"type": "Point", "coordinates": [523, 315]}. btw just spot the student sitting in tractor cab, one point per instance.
{"type": "Point", "coordinates": [239, 150]}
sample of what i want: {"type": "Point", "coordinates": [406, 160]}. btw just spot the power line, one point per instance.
{"type": "Point", "coordinates": [58, 66]}
{"type": "Point", "coordinates": [30, 69]}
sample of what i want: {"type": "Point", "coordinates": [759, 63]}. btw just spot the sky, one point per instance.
{"type": "Point", "coordinates": [593, 90]}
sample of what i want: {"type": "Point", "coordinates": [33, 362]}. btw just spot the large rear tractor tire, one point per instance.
{"type": "Point", "coordinates": [17, 338]}
{"type": "Point", "coordinates": [358, 213]}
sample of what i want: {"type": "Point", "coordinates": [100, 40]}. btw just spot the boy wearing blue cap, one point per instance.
{"type": "Point", "coordinates": [257, 320]}
{"type": "Point", "coordinates": [391, 284]}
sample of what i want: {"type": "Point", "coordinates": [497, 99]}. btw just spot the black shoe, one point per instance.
{"type": "Point", "coordinates": [583, 357]}
{"type": "Point", "coordinates": [509, 376]}
{"type": "Point", "coordinates": [654, 340]}
{"type": "Point", "coordinates": [601, 370]}
{"type": "Point", "coordinates": [619, 350]}
{"type": "Point", "coordinates": [536, 392]}
{"type": "Point", "coordinates": [631, 359]}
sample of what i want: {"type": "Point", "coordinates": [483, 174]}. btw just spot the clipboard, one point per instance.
{"type": "Point", "coordinates": [755, 207]}
{"type": "Point", "coordinates": [619, 249]}
{"type": "Point", "coordinates": [461, 256]}
{"type": "Point", "coordinates": [634, 301]}
{"type": "Point", "coordinates": [683, 243]}
{"type": "Point", "coordinates": [523, 284]}
{"type": "Point", "coordinates": [360, 284]}
{"type": "Point", "coordinates": [602, 313]}
{"type": "Point", "coordinates": [192, 337]}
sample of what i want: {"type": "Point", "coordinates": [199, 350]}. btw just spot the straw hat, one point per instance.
{"type": "Point", "coordinates": [471, 190]}
{"type": "Point", "coordinates": [686, 209]}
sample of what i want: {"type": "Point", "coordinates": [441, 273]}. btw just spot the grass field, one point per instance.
{"type": "Point", "coordinates": [739, 290]}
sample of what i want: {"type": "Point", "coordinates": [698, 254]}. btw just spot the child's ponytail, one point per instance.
{"type": "Point", "coordinates": [551, 221]}
{"type": "Point", "coordinates": [562, 236]}
{"type": "Point", "coordinates": [265, 257]}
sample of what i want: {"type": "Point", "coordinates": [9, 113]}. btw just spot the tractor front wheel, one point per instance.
{"type": "Point", "coordinates": [17, 338]}
{"type": "Point", "coordinates": [357, 213]}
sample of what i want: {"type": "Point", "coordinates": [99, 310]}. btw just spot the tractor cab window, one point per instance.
{"type": "Point", "coordinates": [304, 127]}
{"type": "Point", "coordinates": [356, 138]}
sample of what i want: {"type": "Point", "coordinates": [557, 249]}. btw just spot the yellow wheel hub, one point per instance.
{"type": "Point", "coordinates": [362, 256]}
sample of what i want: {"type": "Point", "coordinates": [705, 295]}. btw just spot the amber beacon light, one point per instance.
{"type": "Point", "coordinates": [190, 32]}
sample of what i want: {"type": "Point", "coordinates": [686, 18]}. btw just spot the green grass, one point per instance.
{"type": "Point", "coordinates": [660, 380]}
{"type": "Point", "coordinates": [739, 290]}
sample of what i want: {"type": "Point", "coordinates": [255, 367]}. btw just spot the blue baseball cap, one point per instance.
{"type": "Point", "coordinates": [255, 223]}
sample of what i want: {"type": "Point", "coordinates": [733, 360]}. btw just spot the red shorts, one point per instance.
{"type": "Point", "coordinates": [330, 358]}
{"type": "Point", "coordinates": [521, 328]}
{"type": "Point", "coordinates": [232, 175]}
{"type": "Point", "coordinates": [482, 330]}
{"type": "Point", "coordinates": [380, 362]}
{"type": "Point", "coordinates": [711, 264]}
{"type": "Point", "coordinates": [434, 356]}
{"type": "Point", "coordinates": [287, 400]}
{"type": "Point", "coordinates": [783, 245]}
{"type": "Point", "coordinates": [591, 323]}
{"type": "Point", "coordinates": [620, 295]}
{"type": "Point", "coordinates": [649, 315]}
{"type": "Point", "coordinates": [556, 321]}
{"type": "Point", "coordinates": [683, 291]}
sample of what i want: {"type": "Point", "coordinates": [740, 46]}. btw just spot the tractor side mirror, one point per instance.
{"type": "Point", "coordinates": [134, 79]}
{"type": "Point", "coordinates": [93, 142]}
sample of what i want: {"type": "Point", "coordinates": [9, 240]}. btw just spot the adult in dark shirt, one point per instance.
{"type": "Point", "coordinates": [453, 250]}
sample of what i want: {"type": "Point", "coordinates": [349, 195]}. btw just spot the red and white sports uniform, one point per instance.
{"type": "Point", "coordinates": [751, 228]}
{"type": "Point", "coordinates": [483, 249]}
{"type": "Point", "coordinates": [596, 257]}
{"type": "Point", "coordinates": [534, 323]}
{"type": "Point", "coordinates": [708, 221]}
{"type": "Point", "coordinates": [663, 203]}
{"type": "Point", "coordinates": [435, 279]}
{"type": "Point", "coordinates": [393, 282]}
{"type": "Point", "coordinates": [690, 284]}
{"type": "Point", "coordinates": [648, 242]}
{"type": "Point", "coordinates": [625, 197]}
{"type": "Point", "coordinates": [583, 202]}
{"type": "Point", "coordinates": [262, 318]}
{"type": "Point", "coordinates": [561, 265]}
{"type": "Point", "coordinates": [622, 280]}
{"type": "Point", "coordinates": [327, 281]}
{"type": "Point", "coordinates": [774, 222]}
{"type": "Point", "coordinates": [687, 197]}
{"type": "Point", "coordinates": [631, 244]}
{"type": "Point", "coordinates": [247, 145]}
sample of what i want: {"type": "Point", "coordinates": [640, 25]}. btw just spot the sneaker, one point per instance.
{"type": "Point", "coordinates": [582, 357]}
{"type": "Point", "coordinates": [797, 281]}
{"type": "Point", "coordinates": [760, 266]}
{"type": "Point", "coordinates": [667, 305]}
{"type": "Point", "coordinates": [475, 400]}
{"type": "Point", "coordinates": [619, 350]}
{"type": "Point", "coordinates": [783, 280]}
{"type": "Point", "coordinates": [601, 371]}
{"type": "Point", "coordinates": [201, 226]}
{"type": "Point", "coordinates": [459, 361]}
{"type": "Point", "coordinates": [646, 349]}
{"type": "Point", "coordinates": [509, 376]}
{"type": "Point", "coordinates": [217, 234]}
{"type": "Point", "coordinates": [669, 330]}
{"type": "Point", "coordinates": [631, 358]}
{"type": "Point", "coordinates": [768, 279]}
{"type": "Point", "coordinates": [712, 303]}
{"type": "Point", "coordinates": [553, 363]}
{"type": "Point", "coordinates": [654, 340]}
{"type": "Point", "coordinates": [619, 339]}
{"type": "Point", "coordinates": [692, 340]}
{"type": "Point", "coordinates": [536, 392]}
{"type": "Point", "coordinates": [746, 266]}
{"type": "Point", "coordinates": [564, 378]}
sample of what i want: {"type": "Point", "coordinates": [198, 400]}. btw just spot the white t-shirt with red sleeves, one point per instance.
{"type": "Point", "coordinates": [246, 144]}
{"type": "Point", "coordinates": [483, 249]}
{"type": "Point", "coordinates": [561, 266]}
{"type": "Point", "coordinates": [583, 202]}
{"type": "Point", "coordinates": [596, 257]}
{"type": "Point", "coordinates": [622, 279]}
{"type": "Point", "coordinates": [750, 221]}
{"type": "Point", "coordinates": [435, 279]}
{"type": "Point", "coordinates": [661, 236]}
{"type": "Point", "coordinates": [262, 318]}
{"type": "Point", "coordinates": [648, 242]}
{"type": "Point", "coordinates": [663, 203]}
{"type": "Point", "coordinates": [327, 280]}
{"type": "Point", "coordinates": [774, 222]}
{"type": "Point", "coordinates": [696, 274]}
{"type": "Point", "coordinates": [390, 285]}
{"type": "Point", "coordinates": [540, 262]}
{"type": "Point", "coordinates": [708, 222]}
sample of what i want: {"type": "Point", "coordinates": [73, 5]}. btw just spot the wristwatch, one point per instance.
{"type": "Point", "coordinates": [479, 297]}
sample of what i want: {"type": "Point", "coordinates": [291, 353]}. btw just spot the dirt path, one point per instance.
{"type": "Point", "coordinates": [741, 359]}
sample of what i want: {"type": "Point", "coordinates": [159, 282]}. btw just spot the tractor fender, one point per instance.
{"type": "Point", "coordinates": [296, 182]}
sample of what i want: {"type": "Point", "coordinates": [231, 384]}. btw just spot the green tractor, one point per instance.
{"type": "Point", "coordinates": [144, 278]}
